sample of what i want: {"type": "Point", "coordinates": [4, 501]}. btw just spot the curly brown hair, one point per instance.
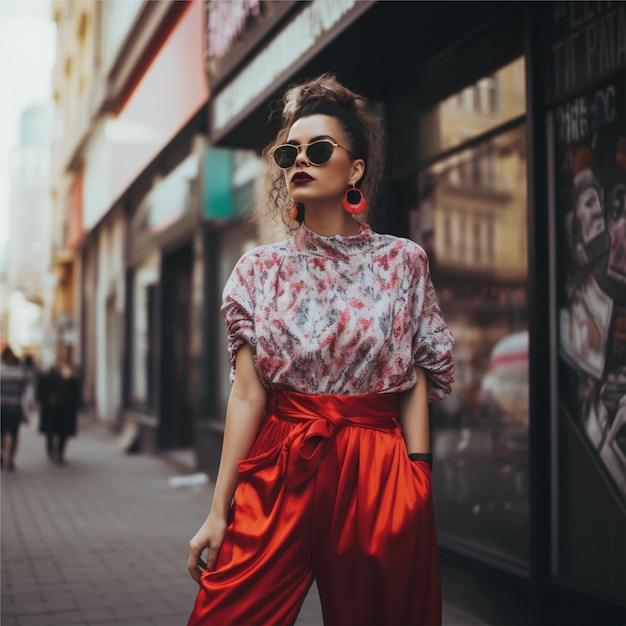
{"type": "Point", "coordinates": [363, 130]}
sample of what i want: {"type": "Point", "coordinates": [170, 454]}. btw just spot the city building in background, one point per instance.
{"type": "Point", "coordinates": [506, 163]}
{"type": "Point", "coordinates": [28, 258]}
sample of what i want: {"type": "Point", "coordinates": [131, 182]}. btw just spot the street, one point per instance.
{"type": "Point", "coordinates": [103, 539]}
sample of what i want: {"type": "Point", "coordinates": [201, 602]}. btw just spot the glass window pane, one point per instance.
{"type": "Point", "coordinates": [471, 219]}
{"type": "Point", "coordinates": [478, 108]}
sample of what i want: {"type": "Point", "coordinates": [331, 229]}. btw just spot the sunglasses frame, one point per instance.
{"type": "Point", "coordinates": [298, 147]}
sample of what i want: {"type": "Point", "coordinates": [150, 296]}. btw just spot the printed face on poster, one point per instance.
{"type": "Point", "coordinates": [590, 171]}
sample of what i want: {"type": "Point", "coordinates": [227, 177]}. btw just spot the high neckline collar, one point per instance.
{"type": "Point", "coordinates": [335, 246]}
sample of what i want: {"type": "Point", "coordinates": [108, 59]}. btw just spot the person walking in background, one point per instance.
{"type": "Point", "coordinates": [337, 345]}
{"type": "Point", "coordinates": [59, 395]}
{"type": "Point", "coordinates": [30, 393]}
{"type": "Point", "coordinates": [12, 385]}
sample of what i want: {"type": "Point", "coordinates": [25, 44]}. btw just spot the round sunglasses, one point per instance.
{"type": "Point", "coordinates": [317, 152]}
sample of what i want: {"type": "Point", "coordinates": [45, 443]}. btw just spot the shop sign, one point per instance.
{"type": "Point", "coordinates": [586, 84]}
{"type": "Point", "coordinates": [590, 170]}
{"type": "Point", "coordinates": [228, 179]}
{"type": "Point", "coordinates": [587, 44]}
{"type": "Point", "coordinates": [171, 198]}
{"type": "Point", "coordinates": [217, 197]}
{"type": "Point", "coordinates": [225, 22]}
{"type": "Point", "coordinates": [235, 29]}
{"type": "Point", "coordinates": [287, 51]}
{"type": "Point", "coordinates": [170, 201]}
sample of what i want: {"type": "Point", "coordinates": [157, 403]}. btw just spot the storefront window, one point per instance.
{"type": "Point", "coordinates": [469, 212]}
{"type": "Point", "coordinates": [143, 315]}
{"type": "Point", "coordinates": [478, 108]}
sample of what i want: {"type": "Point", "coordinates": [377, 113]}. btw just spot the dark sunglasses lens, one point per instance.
{"type": "Point", "coordinates": [319, 152]}
{"type": "Point", "coordinates": [285, 156]}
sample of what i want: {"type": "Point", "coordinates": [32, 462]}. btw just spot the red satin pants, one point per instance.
{"type": "Point", "coordinates": [328, 492]}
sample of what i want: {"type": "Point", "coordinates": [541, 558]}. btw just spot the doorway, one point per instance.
{"type": "Point", "coordinates": [177, 413]}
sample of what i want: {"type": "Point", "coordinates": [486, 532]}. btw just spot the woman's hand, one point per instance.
{"type": "Point", "coordinates": [211, 536]}
{"type": "Point", "coordinates": [246, 408]}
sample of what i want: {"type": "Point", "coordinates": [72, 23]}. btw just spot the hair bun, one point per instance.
{"type": "Point", "coordinates": [325, 87]}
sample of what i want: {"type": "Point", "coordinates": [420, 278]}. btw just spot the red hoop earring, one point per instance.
{"type": "Point", "coordinates": [353, 201]}
{"type": "Point", "coordinates": [293, 211]}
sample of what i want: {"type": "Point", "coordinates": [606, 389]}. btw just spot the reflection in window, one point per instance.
{"type": "Point", "coordinates": [478, 108]}
{"type": "Point", "coordinates": [480, 226]}
{"type": "Point", "coordinates": [447, 231]}
{"type": "Point", "coordinates": [491, 244]}
{"type": "Point", "coordinates": [462, 246]}
{"type": "Point", "coordinates": [477, 243]}
{"type": "Point", "coordinates": [475, 201]}
{"type": "Point", "coordinates": [486, 95]}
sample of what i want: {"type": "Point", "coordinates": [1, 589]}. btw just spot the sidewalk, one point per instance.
{"type": "Point", "coordinates": [102, 540]}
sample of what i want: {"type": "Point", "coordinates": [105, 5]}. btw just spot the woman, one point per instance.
{"type": "Point", "coordinates": [337, 345]}
{"type": "Point", "coordinates": [59, 395]}
{"type": "Point", "coordinates": [12, 385]}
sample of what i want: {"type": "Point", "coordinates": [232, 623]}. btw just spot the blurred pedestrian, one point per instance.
{"type": "Point", "coordinates": [12, 385]}
{"type": "Point", "coordinates": [30, 393]}
{"type": "Point", "coordinates": [59, 395]}
{"type": "Point", "coordinates": [337, 345]}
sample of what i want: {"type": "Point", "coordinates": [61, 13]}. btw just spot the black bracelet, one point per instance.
{"type": "Point", "coordinates": [427, 457]}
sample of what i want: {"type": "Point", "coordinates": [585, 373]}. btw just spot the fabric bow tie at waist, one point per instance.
{"type": "Point", "coordinates": [319, 419]}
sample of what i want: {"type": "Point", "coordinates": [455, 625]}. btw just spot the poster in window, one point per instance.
{"type": "Point", "coordinates": [590, 170]}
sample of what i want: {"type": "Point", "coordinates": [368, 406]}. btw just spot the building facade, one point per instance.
{"type": "Point", "coordinates": [129, 130]}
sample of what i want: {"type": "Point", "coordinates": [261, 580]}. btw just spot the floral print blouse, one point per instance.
{"type": "Point", "coordinates": [340, 315]}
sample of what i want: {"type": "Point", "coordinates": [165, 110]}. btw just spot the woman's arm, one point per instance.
{"type": "Point", "coordinates": [413, 406]}
{"type": "Point", "coordinates": [246, 408]}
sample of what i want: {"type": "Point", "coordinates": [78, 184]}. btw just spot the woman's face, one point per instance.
{"type": "Point", "coordinates": [328, 182]}
{"type": "Point", "coordinates": [590, 214]}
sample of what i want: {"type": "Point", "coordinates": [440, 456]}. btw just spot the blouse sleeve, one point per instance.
{"type": "Point", "coordinates": [432, 341]}
{"type": "Point", "coordinates": [238, 309]}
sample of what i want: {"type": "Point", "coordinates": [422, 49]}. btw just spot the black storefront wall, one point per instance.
{"type": "Point", "coordinates": [400, 39]}
{"type": "Point", "coordinates": [540, 435]}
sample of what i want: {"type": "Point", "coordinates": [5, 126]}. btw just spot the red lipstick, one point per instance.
{"type": "Point", "coordinates": [301, 178]}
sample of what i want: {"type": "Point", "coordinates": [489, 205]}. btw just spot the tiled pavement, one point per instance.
{"type": "Point", "coordinates": [102, 540]}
